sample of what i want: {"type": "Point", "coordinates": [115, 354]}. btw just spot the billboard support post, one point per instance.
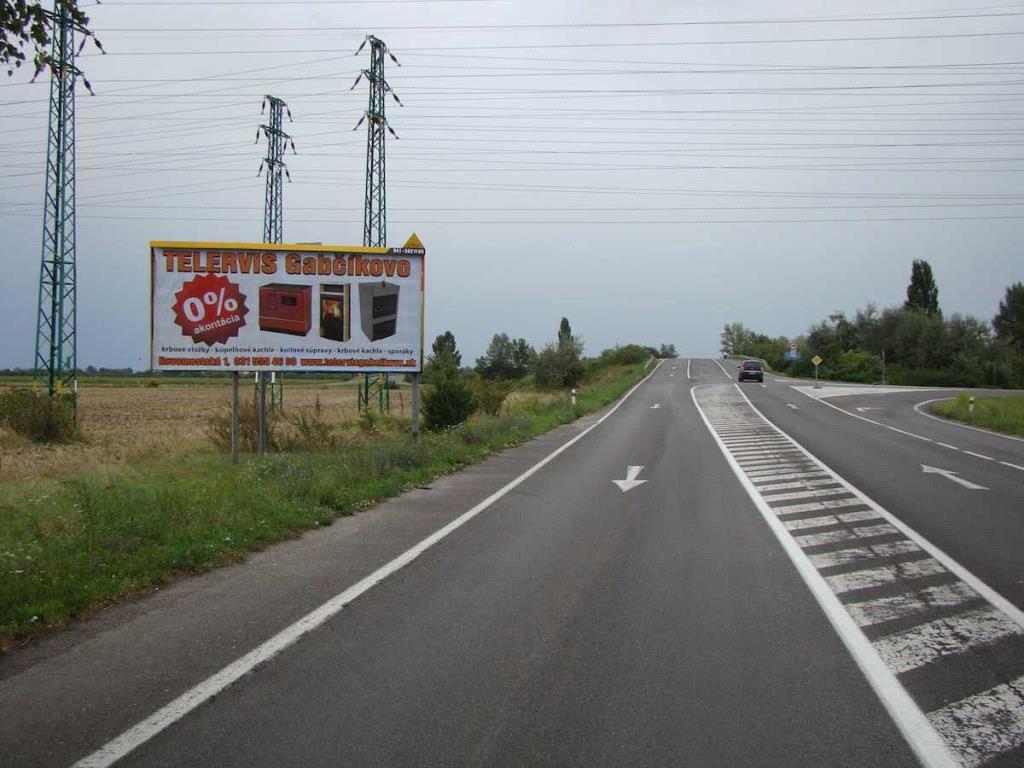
{"type": "Point", "coordinates": [234, 417]}
{"type": "Point", "coordinates": [262, 450]}
{"type": "Point", "coordinates": [415, 406]}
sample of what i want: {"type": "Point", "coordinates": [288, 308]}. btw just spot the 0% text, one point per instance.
{"type": "Point", "coordinates": [196, 310]}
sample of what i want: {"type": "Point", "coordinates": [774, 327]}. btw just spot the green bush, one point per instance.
{"type": "Point", "coordinates": [630, 354]}
{"type": "Point", "coordinates": [490, 394]}
{"type": "Point", "coordinates": [858, 367]}
{"type": "Point", "coordinates": [560, 365]}
{"type": "Point", "coordinates": [449, 402]}
{"type": "Point", "coordinates": [37, 415]}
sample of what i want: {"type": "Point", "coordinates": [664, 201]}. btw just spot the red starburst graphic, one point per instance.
{"type": "Point", "coordinates": [210, 309]}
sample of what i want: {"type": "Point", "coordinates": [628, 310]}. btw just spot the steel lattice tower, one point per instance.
{"type": "Point", "coordinates": [277, 140]}
{"type": "Point", "coordinates": [55, 354]}
{"type": "Point", "coordinates": [375, 210]}
{"type": "Point", "coordinates": [375, 220]}
{"type": "Point", "coordinates": [273, 202]}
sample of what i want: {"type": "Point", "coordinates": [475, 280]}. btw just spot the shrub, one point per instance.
{"type": "Point", "coordinates": [560, 365]}
{"type": "Point", "coordinates": [310, 430]}
{"type": "Point", "coordinates": [449, 402]}
{"type": "Point", "coordinates": [37, 415]}
{"type": "Point", "coordinates": [219, 429]}
{"type": "Point", "coordinates": [861, 367]}
{"type": "Point", "coordinates": [490, 394]}
{"type": "Point", "coordinates": [631, 354]}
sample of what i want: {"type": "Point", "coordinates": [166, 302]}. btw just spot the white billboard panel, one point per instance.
{"type": "Point", "coordinates": [259, 306]}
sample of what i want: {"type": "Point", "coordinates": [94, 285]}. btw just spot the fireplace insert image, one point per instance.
{"type": "Point", "coordinates": [286, 308]}
{"type": "Point", "coordinates": [335, 312]}
{"type": "Point", "coordinates": [378, 309]}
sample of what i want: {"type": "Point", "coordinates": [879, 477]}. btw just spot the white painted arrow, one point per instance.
{"type": "Point", "coordinates": [656, 405]}
{"type": "Point", "coordinates": [951, 475]}
{"type": "Point", "coordinates": [794, 407]}
{"type": "Point", "coordinates": [630, 482]}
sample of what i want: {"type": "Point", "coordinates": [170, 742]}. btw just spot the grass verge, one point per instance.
{"type": "Point", "coordinates": [1002, 414]}
{"type": "Point", "coordinates": [69, 547]}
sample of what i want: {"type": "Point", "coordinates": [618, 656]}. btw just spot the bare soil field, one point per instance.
{"type": "Point", "coordinates": [123, 425]}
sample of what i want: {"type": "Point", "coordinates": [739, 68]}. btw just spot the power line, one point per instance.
{"type": "Point", "coordinates": [643, 44]}
{"type": "Point", "coordinates": [582, 25]}
{"type": "Point", "coordinates": [565, 222]}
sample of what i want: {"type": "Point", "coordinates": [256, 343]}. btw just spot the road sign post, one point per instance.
{"type": "Point", "coordinates": [817, 361]}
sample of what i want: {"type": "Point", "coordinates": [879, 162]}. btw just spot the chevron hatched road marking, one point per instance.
{"type": "Point", "coordinates": [907, 611]}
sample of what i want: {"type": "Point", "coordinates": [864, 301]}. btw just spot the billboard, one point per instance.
{"type": "Point", "coordinates": [260, 306]}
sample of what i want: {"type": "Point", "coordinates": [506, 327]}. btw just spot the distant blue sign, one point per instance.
{"type": "Point", "coordinates": [793, 354]}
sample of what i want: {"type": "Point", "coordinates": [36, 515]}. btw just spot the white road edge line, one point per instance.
{"type": "Point", "coordinates": [727, 375]}
{"type": "Point", "coordinates": [864, 418]}
{"type": "Point", "coordinates": [933, 417]}
{"type": "Point", "coordinates": [952, 565]}
{"type": "Point", "coordinates": [922, 737]}
{"type": "Point", "coordinates": [170, 713]}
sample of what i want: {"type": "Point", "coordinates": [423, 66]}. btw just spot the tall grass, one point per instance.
{"type": "Point", "coordinates": [69, 547]}
{"type": "Point", "coordinates": [1003, 414]}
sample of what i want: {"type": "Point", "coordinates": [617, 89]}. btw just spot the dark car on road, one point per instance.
{"type": "Point", "coordinates": [752, 370]}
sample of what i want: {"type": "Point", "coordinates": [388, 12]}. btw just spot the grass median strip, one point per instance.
{"type": "Point", "coordinates": [1002, 414]}
{"type": "Point", "coordinates": [70, 546]}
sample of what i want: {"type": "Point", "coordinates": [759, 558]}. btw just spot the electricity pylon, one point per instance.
{"type": "Point", "coordinates": [56, 344]}
{"type": "Point", "coordinates": [273, 203]}
{"type": "Point", "coordinates": [375, 386]}
{"type": "Point", "coordinates": [277, 141]}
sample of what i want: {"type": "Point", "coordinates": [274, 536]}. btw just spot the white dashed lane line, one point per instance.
{"type": "Point", "coordinates": [978, 455]}
{"type": "Point", "coordinates": [943, 651]}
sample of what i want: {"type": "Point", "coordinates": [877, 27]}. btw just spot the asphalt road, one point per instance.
{"type": "Point", "coordinates": [877, 441]}
{"type": "Point", "coordinates": [751, 602]}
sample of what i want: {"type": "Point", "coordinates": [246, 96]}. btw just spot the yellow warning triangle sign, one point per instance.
{"type": "Point", "coordinates": [413, 242]}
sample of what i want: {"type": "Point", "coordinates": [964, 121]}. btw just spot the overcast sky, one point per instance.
{"type": "Point", "coordinates": [651, 170]}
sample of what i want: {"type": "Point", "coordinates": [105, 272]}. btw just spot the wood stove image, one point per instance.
{"type": "Point", "coordinates": [335, 311]}
{"type": "Point", "coordinates": [286, 308]}
{"type": "Point", "coordinates": [378, 309]}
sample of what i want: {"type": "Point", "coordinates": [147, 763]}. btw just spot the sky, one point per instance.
{"type": "Point", "coordinates": [650, 170]}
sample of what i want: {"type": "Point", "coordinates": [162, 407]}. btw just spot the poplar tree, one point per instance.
{"type": "Point", "coordinates": [922, 293]}
{"type": "Point", "coordinates": [1009, 322]}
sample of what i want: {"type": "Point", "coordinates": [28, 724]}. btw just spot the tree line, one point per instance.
{"type": "Point", "coordinates": [913, 344]}
{"type": "Point", "coordinates": [456, 392]}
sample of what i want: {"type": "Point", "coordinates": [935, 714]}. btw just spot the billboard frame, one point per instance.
{"type": "Point", "coordinates": [413, 249]}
